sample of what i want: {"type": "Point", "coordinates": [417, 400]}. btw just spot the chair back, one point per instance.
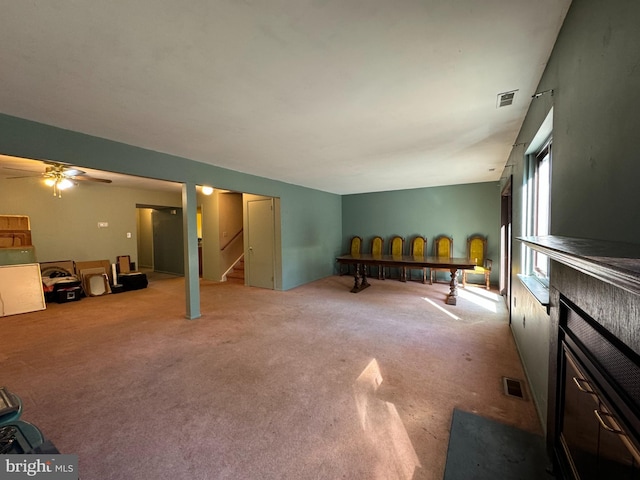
{"type": "Point", "coordinates": [477, 249]}
{"type": "Point", "coordinates": [356, 245]}
{"type": "Point", "coordinates": [376, 246]}
{"type": "Point", "coordinates": [419, 246]}
{"type": "Point", "coordinates": [443, 246]}
{"type": "Point", "coordinates": [397, 246]}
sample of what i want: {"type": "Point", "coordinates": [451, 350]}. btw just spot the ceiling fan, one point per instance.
{"type": "Point", "coordinates": [61, 176]}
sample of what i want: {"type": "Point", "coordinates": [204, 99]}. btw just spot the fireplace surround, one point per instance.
{"type": "Point", "coordinates": [593, 418]}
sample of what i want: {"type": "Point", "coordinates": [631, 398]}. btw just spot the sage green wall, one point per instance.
{"type": "Point", "coordinates": [594, 71]}
{"type": "Point", "coordinates": [457, 211]}
{"type": "Point", "coordinates": [230, 224]}
{"type": "Point", "coordinates": [211, 261]}
{"type": "Point", "coordinates": [311, 220]}
{"type": "Point", "coordinates": [230, 216]}
{"type": "Point", "coordinates": [67, 228]}
{"type": "Point", "coordinates": [145, 238]}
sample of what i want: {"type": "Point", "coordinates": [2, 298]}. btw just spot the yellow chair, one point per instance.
{"type": "Point", "coordinates": [396, 249]}
{"type": "Point", "coordinates": [443, 248]}
{"type": "Point", "coordinates": [377, 249]}
{"type": "Point", "coordinates": [354, 249]}
{"type": "Point", "coordinates": [477, 251]}
{"type": "Point", "coordinates": [418, 249]}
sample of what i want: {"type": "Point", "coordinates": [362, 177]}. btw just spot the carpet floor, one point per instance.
{"type": "Point", "coordinates": [311, 383]}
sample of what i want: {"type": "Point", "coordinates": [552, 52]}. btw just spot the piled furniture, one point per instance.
{"type": "Point", "coordinates": [59, 282]}
{"type": "Point", "coordinates": [95, 277]}
{"type": "Point", "coordinates": [128, 278]}
{"type": "Point", "coordinates": [20, 280]}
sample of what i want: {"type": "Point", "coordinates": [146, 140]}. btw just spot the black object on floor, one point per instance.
{"type": "Point", "coordinates": [481, 449]}
{"type": "Point", "coordinates": [133, 281]}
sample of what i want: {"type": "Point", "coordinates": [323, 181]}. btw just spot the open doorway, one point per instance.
{"type": "Point", "coordinates": [240, 238]}
{"type": "Point", "coordinates": [160, 240]}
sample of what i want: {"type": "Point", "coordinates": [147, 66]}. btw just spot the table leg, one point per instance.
{"type": "Point", "coordinates": [356, 280]}
{"type": "Point", "coordinates": [364, 284]}
{"type": "Point", "coordinates": [360, 279]}
{"type": "Point", "coordinates": [452, 298]}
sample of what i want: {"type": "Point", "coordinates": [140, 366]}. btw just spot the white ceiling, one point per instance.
{"type": "Point", "coordinates": [345, 96]}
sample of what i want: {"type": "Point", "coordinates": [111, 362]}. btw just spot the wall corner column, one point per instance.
{"type": "Point", "coordinates": [190, 232]}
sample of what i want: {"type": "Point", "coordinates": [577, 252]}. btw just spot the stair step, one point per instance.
{"type": "Point", "coordinates": [238, 271]}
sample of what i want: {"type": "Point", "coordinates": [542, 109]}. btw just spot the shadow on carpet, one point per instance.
{"type": "Point", "coordinates": [482, 449]}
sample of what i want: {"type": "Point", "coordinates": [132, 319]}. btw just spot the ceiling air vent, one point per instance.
{"type": "Point", "coordinates": [506, 98]}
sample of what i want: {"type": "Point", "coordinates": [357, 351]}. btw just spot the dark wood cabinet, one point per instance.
{"type": "Point", "coordinates": [595, 440]}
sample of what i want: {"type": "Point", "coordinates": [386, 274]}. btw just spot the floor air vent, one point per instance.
{"type": "Point", "coordinates": [513, 387]}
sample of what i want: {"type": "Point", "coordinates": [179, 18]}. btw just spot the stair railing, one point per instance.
{"type": "Point", "coordinates": [237, 235]}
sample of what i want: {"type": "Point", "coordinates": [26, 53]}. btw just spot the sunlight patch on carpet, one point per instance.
{"type": "Point", "coordinates": [441, 308]}
{"type": "Point", "coordinates": [480, 298]}
{"type": "Point", "coordinates": [383, 428]}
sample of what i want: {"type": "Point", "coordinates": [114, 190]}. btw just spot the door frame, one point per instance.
{"type": "Point", "coordinates": [506, 244]}
{"type": "Point", "coordinates": [277, 240]}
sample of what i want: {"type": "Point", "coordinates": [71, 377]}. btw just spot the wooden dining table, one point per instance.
{"type": "Point", "coordinates": [360, 261]}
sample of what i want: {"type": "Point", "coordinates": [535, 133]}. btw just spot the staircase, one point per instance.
{"type": "Point", "coordinates": [236, 275]}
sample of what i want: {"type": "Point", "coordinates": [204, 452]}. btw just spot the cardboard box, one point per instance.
{"type": "Point", "coordinates": [61, 265]}
{"type": "Point", "coordinates": [95, 264]}
{"type": "Point", "coordinates": [14, 222]}
{"type": "Point", "coordinates": [15, 238]}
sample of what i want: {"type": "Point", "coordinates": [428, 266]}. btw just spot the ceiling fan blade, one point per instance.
{"type": "Point", "coordinates": [91, 179]}
{"type": "Point", "coordinates": [23, 176]}
{"type": "Point", "coordinates": [35, 173]}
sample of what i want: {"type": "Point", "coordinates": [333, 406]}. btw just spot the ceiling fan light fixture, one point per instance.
{"type": "Point", "coordinates": [59, 182]}
{"type": "Point", "coordinates": [64, 183]}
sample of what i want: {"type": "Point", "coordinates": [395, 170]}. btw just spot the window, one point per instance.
{"type": "Point", "coordinates": [542, 204]}
{"type": "Point", "coordinates": [537, 205]}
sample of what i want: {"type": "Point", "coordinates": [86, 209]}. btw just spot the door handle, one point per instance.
{"type": "Point", "coordinates": [579, 382]}
{"type": "Point", "coordinates": [608, 428]}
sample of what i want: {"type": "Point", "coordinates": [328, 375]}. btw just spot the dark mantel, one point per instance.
{"type": "Point", "coordinates": [594, 286]}
{"type": "Point", "coordinates": [615, 263]}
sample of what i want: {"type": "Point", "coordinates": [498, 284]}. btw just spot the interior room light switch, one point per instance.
{"type": "Point", "coordinates": [128, 234]}
{"type": "Point", "coordinates": [103, 224]}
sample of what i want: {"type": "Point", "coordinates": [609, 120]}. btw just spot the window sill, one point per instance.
{"type": "Point", "coordinates": [537, 289]}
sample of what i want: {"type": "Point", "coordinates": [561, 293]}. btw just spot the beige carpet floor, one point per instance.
{"type": "Point", "coordinates": [312, 383]}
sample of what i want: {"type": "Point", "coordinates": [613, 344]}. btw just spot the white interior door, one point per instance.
{"type": "Point", "coordinates": [260, 258]}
